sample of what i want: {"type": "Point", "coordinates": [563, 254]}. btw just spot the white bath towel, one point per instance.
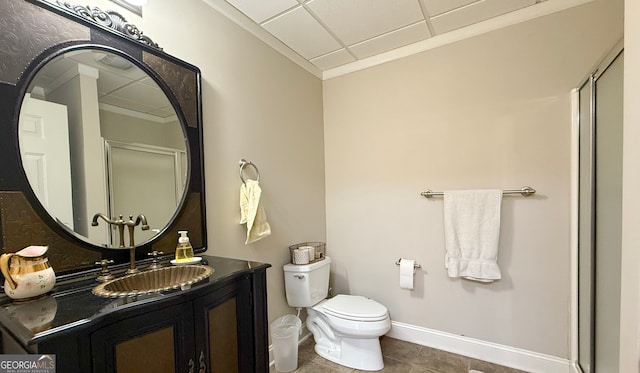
{"type": "Point", "coordinates": [472, 231]}
{"type": "Point", "coordinates": [252, 212]}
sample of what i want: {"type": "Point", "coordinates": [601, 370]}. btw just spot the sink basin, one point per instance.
{"type": "Point", "coordinates": [153, 281]}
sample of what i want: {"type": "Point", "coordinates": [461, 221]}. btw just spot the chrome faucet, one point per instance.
{"type": "Point", "coordinates": [117, 222]}
{"type": "Point", "coordinates": [131, 224]}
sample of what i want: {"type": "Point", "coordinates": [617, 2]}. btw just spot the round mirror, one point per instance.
{"type": "Point", "coordinates": [98, 135]}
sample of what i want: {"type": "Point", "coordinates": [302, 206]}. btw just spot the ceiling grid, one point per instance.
{"type": "Point", "coordinates": [332, 37]}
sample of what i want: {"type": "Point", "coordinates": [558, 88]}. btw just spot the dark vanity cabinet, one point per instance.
{"type": "Point", "coordinates": [158, 341]}
{"type": "Point", "coordinates": [205, 334]}
{"type": "Point", "coordinates": [219, 325]}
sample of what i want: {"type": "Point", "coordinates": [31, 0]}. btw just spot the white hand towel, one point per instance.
{"type": "Point", "coordinates": [472, 232]}
{"type": "Point", "coordinates": [252, 212]}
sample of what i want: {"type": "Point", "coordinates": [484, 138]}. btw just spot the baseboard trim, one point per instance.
{"type": "Point", "coordinates": [512, 357]}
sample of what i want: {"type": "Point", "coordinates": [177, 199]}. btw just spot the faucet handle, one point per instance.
{"type": "Point", "coordinates": [104, 275]}
{"type": "Point", "coordinates": [104, 263]}
{"type": "Point", "coordinates": [154, 263]}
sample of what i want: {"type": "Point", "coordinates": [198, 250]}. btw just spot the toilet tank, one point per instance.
{"type": "Point", "coordinates": [307, 284]}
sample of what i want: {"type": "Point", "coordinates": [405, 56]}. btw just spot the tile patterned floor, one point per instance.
{"type": "Point", "coordinates": [399, 357]}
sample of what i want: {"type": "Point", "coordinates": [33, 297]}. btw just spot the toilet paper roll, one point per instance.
{"type": "Point", "coordinates": [300, 256]}
{"type": "Point", "coordinates": [406, 273]}
{"type": "Point", "coordinates": [311, 252]}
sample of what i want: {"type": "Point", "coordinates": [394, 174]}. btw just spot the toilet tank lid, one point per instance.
{"type": "Point", "coordinates": [355, 306]}
{"type": "Point", "coordinates": [307, 267]}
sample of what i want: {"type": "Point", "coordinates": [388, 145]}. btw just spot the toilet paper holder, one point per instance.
{"type": "Point", "coordinates": [415, 265]}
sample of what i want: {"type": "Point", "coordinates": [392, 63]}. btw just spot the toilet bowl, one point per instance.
{"type": "Point", "coordinates": [346, 328]}
{"type": "Point", "coordinates": [351, 338]}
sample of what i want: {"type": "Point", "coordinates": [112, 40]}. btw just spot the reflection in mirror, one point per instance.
{"type": "Point", "coordinates": [98, 135]}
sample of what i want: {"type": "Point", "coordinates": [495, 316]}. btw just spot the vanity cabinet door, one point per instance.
{"type": "Point", "coordinates": [224, 342]}
{"type": "Point", "coordinates": [160, 341]}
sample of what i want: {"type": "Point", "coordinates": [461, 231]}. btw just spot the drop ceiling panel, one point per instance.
{"type": "Point", "coordinates": [476, 12]}
{"type": "Point", "coordinates": [126, 104]}
{"type": "Point", "coordinates": [146, 96]}
{"type": "Point", "coordinates": [261, 10]}
{"type": "Point", "coordinates": [392, 40]}
{"type": "Point", "coordinates": [55, 68]}
{"type": "Point", "coordinates": [302, 33]}
{"type": "Point", "coordinates": [108, 82]}
{"type": "Point", "coordinates": [435, 7]}
{"type": "Point", "coordinates": [322, 35]}
{"type": "Point", "coordinates": [99, 60]}
{"type": "Point", "coordinates": [164, 112]}
{"type": "Point", "coordinates": [333, 59]}
{"type": "Point", "coordinates": [353, 21]}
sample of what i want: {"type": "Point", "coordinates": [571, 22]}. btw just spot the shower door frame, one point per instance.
{"type": "Point", "coordinates": [577, 121]}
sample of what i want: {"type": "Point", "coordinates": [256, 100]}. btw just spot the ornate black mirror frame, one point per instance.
{"type": "Point", "coordinates": [35, 31]}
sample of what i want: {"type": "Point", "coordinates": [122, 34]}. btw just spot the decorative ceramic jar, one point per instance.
{"type": "Point", "coordinates": [27, 273]}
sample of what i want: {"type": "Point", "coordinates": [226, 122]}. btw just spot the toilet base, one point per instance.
{"type": "Point", "coordinates": [357, 353]}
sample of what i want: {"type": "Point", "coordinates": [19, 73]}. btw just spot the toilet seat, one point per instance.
{"type": "Point", "coordinates": [355, 308]}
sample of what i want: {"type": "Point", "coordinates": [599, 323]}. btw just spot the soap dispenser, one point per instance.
{"type": "Point", "coordinates": [184, 250]}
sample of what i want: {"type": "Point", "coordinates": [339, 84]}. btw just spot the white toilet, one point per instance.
{"type": "Point", "coordinates": [346, 328]}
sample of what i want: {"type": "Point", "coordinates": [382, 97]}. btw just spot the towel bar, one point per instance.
{"type": "Point", "coordinates": [526, 191]}
{"type": "Point", "coordinates": [244, 163]}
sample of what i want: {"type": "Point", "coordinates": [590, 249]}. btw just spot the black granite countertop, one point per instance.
{"type": "Point", "coordinates": [71, 305]}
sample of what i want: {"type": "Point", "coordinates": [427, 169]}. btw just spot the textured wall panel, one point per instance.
{"type": "Point", "coordinates": [22, 227]}
{"type": "Point", "coordinates": [190, 220]}
{"type": "Point", "coordinates": [26, 30]}
{"type": "Point", "coordinates": [181, 81]}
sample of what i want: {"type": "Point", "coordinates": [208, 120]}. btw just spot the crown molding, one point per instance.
{"type": "Point", "coordinates": [137, 114]}
{"type": "Point", "coordinates": [247, 24]}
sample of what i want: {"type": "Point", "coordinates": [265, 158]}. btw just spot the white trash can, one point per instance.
{"type": "Point", "coordinates": [284, 337]}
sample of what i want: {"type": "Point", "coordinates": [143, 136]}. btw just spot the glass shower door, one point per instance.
{"type": "Point", "coordinates": [600, 217]}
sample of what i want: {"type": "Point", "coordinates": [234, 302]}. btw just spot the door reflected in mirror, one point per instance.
{"type": "Point", "coordinates": [97, 134]}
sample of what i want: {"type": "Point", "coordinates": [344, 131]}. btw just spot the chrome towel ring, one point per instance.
{"type": "Point", "coordinates": [244, 163]}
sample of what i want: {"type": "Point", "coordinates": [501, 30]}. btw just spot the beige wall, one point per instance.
{"type": "Point", "coordinates": [260, 106]}
{"type": "Point", "coordinates": [488, 112]}
{"type": "Point", "coordinates": [257, 105]}
{"type": "Point", "coordinates": [124, 128]}
{"type": "Point", "coordinates": [630, 308]}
